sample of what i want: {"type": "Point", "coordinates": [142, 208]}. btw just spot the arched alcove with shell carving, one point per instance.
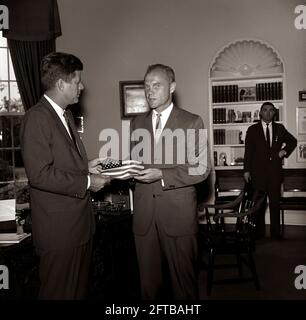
{"type": "Point", "coordinates": [246, 58]}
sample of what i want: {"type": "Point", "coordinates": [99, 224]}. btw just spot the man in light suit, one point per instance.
{"type": "Point", "coordinates": [165, 205]}
{"type": "Point", "coordinates": [266, 144]}
{"type": "Point", "coordinates": [60, 177]}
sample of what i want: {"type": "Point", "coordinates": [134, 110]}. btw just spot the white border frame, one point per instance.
{"type": "Point", "coordinates": [301, 151]}
{"type": "Point", "coordinates": [300, 118]}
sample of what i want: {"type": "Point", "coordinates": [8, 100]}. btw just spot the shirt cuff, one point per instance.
{"type": "Point", "coordinates": [88, 181]}
{"type": "Point", "coordinates": [162, 182]}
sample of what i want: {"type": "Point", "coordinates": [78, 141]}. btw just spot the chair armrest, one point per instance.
{"type": "Point", "coordinates": [234, 214]}
{"type": "Point", "coordinates": [229, 205]}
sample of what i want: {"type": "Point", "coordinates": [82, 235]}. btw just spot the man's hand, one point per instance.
{"type": "Point", "coordinates": [149, 175]}
{"type": "Point", "coordinates": [98, 181]}
{"type": "Point", "coordinates": [247, 177]}
{"type": "Point", "coordinates": [94, 166]}
{"type": "Point", "coordinates": [282, 153]}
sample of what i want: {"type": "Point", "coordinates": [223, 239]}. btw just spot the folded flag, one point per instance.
{"type": "Point", "coordinates": [109, 163]}
{"type": "Point", "coordinates": [119, 169]}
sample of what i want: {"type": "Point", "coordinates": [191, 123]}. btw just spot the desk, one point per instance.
{"type": "Point", "coordinates": [22, 262]}
{"type": "Point", "coordinates": [114, 272]}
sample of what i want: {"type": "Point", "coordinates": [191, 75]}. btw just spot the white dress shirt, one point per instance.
{"type": "Point", "coordinates": [60, 112]}
{"type": "Point", "coordinates": [163, 118]}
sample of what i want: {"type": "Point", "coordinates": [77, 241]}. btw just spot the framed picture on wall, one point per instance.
{"type": "Point", "coordinates": [301, 151]}
{"type": "Point", "coordinates": [132, 98]}
{"type": "Point", "coordinates": [301, 121]}
{"type": "Point", "coordinates": [302, 95]}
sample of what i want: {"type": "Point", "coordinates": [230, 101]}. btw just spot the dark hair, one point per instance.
{"type": "Point", "coordinates": [58, 65]}
{"type": "Point", "coordinates": [267, 103]}
{"type": "Point", "coordinates": [168, 70]}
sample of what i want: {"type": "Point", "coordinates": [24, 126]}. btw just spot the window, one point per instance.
{"type": "Point", "coordinates": [12, 174]}
{"type": "Point", "coordinates": [10, 100]}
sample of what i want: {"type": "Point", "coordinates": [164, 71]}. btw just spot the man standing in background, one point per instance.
{"type": "Point", "coordinates": [266, 144]}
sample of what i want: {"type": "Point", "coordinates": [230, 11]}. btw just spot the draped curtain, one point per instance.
{"type": "Point", "coordinates": [33, 28]}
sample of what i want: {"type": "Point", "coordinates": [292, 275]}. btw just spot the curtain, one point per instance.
{"type": "Point", "coordinates": [26, 58]}
{"type": "Point", "coordinates": [33, 28]}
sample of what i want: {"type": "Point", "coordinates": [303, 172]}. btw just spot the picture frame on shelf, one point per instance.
{"type": "Point", "coordinates": [222, 157]}
{"type": "Point", "coordinates": [301, 120]}
{"type": "Point", "coordinates": [301, 151]}
{"type": "Point", "coordinates": [302, 95]}
{"type": "Point", "coordinates": [247, 93]}
{"type": "Point", "coordinates": [132, 98]}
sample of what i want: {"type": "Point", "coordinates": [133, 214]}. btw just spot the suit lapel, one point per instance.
{"type": "Point", "coordinates": [172, 122]}
{"type": "Point", "coordinates": [261, 133]}
{"type": "Point", "coordinates": [148, 123]}
{"type": "Point", "coordinates": [62, 128]}
{"type": "Point", "coordinates": [274, 134]}
{"type": "Point", "coordinates": [76, 137]}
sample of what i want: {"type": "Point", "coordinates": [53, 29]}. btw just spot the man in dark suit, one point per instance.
{"type": "Point", "coordinates": [60, 177]}
{"type": "Point", "coordinates": [165, 205]}
{"type": "Point", "coordinates": [266, 144]}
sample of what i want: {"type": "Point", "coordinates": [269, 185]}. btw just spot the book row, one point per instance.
{"type": "Point", "coordinates": [259, 92]}
{"type": "Point", "coordinates": [230, 136]}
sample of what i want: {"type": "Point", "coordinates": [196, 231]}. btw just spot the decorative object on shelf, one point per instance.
{"type": "Point", "coordinates": [301, 121]}
{"type": "Point", "coordinates": [302, 95]}
{"type": "Point", "coordinates": [301, 151]}
{"type": "Point", "coordinates": [132, 98]}
{"type": "Point", "coordinates": [222, 159]}
{"type": "Point", "coordinates": [247, 94]}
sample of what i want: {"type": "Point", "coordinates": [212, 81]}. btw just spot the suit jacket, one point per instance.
{"type": "Point", "coordinates": [174, 205]}
{"type": "Point", "coordinates": [265, 165]}
{"type": "Point", "coordinates": [61, 210]}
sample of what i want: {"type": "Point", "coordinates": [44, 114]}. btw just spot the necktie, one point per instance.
{"type": "Point", "coordinates": [70, 130]}
{"type": "Point", "coordinates": [158, 122]}
{"type": "Point", "coordinates": [268, 137]}
{"type": "Point", "coordinates": [157, 127]}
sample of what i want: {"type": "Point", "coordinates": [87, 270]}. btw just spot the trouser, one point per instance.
{"type": "Point", "coordinates": [64, 274]}
{"type": "Point", "coordinates": [273, 193]}
{"type": "Point", "coordinates": [179, 254]}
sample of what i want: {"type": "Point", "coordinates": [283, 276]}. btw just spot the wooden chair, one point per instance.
{"type": "Point", "coordinates": [235, 237]}
{"type": "Point", "coordinates": [294, 183]}
{"type": "Point", "coordinates": [227, 184]}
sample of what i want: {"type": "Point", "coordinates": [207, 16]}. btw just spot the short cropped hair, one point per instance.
{"type": "Point", "coordinates": [168, 70]}
{"type": "Point", "coordinates": [58, 65]}
{"type": "Point", "coordinates": [267, 103]}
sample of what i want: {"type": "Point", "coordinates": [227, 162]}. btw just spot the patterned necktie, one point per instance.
{"type": "Point", "coordinates": [158, 122]}
{"type": "Point", "coordinates": [157, 127]}
{"type": "Point", "coordinates": [268, 136]}
{"type": "Point", "coordinates": [70, 130]}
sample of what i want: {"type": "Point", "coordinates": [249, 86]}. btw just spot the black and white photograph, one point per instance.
{"type": "Point", "coordinates": [301, 151]}
{"type": "Point", "coordinates": [153, 153]}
